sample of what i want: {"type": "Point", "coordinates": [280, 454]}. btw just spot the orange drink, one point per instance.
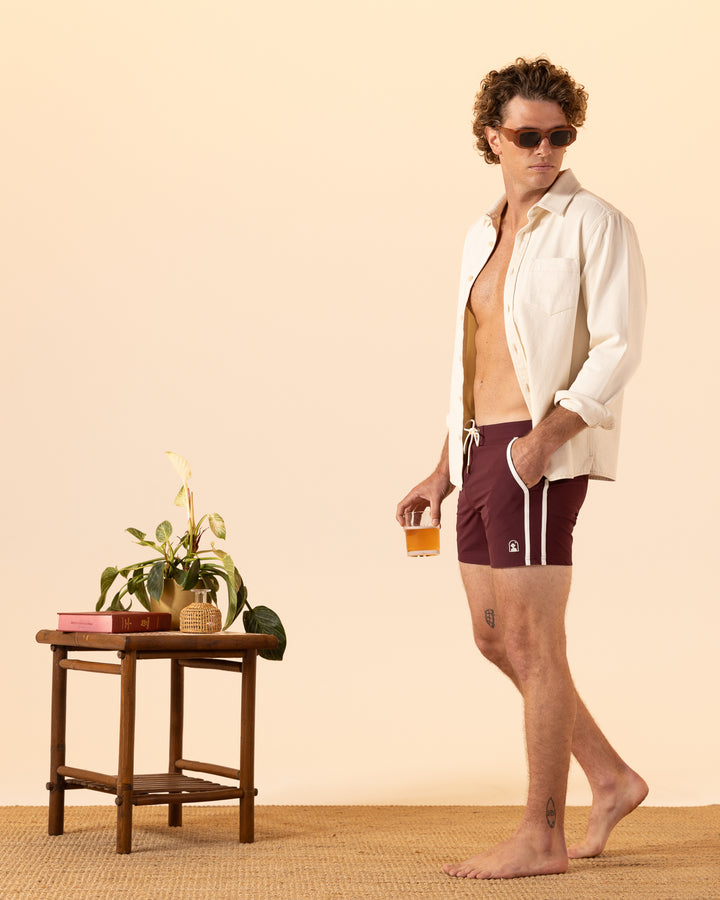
{"type": "Point", "coordinates": [422, 541]}
{"type": "Point", "coordinates": [421, 538]}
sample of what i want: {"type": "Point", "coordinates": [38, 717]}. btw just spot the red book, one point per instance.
{"type": "Point", "coordinates": [114, 622]}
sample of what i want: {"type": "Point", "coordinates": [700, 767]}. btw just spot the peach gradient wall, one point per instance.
{"type": "Point", "coordinates": [230, 229]}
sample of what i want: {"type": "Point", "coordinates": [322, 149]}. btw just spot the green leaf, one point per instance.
{"type": "Point", "coordinates": [163, 532]}
{"type": "Point", "coordinates": [262, 620]}
{"type": "Point", "coordinates": [181, 497]}
{"type": "Point", "coordinates": [116, 605]}
{"type": "Point", "coordinates": [106, 579]}
{"type": "Point", "coordinates": [235, 605]}
{"type": "Point", "coordinates": [125, 572]}
{"type": "Point", "coordinates": [138, 580]}
{"type": "Point", "coordinates": [232, 611]}
{"type": "Point", "coordinates": [192, 575]}
{"type": "Point", "coordinates": [230, 569]}
{"type": "Point", "coordinates": [140, 539]}
{"type": "Point", "coordinates": [217, 525]}
{"type": "Point", "coordinates": [156, 580]}
{"type": "Point", "coordinates": [210, 581]}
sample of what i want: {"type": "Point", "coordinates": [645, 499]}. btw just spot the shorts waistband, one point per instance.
{"type": "Point", "coordinates": [500, 433]}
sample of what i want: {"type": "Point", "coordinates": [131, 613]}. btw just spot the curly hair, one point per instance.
{"type": "Point", "coordinates": [531, 79]}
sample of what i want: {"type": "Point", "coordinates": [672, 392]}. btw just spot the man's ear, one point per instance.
{"type": "Point", "coordinates": [493, 138]}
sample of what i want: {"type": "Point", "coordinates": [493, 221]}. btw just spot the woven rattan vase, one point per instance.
{"type": "Point", "coordinates": [200, 617]}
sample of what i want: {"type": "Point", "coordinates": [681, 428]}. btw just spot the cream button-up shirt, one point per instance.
{"type": "Point", "coordinates": [574, 306]}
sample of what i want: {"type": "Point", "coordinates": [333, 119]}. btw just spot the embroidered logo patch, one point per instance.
{"type": "Point", "coordinates": [513, 547]}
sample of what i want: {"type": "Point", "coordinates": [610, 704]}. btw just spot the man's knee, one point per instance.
{"type": "Point", "coordinates": [534, 648]}
{"type": "Point", "coordinates": [491, 648]}
{"type": "Point", "coordinates": [534, 601]}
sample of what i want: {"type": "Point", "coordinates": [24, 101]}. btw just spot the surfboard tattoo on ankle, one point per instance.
{"type": "Point", "coordinates": [550, 813]}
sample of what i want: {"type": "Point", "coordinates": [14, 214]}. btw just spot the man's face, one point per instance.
{"type": "Point", "coordinates": [536, 168]}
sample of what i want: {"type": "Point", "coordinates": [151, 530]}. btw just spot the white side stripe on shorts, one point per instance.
{"type": "Point", "coordinates": [526, 511]}
{"type": "Point", "coordinates": [543, 533]}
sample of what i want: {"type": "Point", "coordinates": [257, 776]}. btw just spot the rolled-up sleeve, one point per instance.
{"type": "Point", "coordinates": [614, 294]}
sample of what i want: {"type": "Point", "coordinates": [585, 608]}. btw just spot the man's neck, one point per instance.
{"type": "Point", "coordinates": [519, 204]}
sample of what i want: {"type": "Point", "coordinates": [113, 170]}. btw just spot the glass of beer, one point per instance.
{"type": "Point", "coordinates": [421, 536]}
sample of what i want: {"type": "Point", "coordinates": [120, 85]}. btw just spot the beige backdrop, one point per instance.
{"type": "Point", "coordinates": [233, 230]}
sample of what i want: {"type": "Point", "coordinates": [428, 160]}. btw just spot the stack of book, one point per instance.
{"type": "Point", "coordinates": [114, 622]}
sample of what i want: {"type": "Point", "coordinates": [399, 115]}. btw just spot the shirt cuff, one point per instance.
{"type": "Point", "coordinates": [593, 413]}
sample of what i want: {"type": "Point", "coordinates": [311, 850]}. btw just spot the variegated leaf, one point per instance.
{"type": "Point", "coordinates": [217, 525]}
{"type": "Point", "coordinates": [163, 532]}
{"type": "Point", "coordinates": [181, 465]}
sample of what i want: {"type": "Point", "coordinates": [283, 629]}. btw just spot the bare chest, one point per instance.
{"type": "Point", "coordinates": [486, 296]}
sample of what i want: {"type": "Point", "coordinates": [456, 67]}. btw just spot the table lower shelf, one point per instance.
{"type": "Point", "coordinates": [163, 788]}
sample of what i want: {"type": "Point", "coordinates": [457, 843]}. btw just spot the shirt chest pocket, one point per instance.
{"type": "Point", "coordinates": [554, 285]}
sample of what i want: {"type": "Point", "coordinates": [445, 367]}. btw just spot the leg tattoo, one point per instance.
{"type": "Point", "coordinates": [550, 813]}
{"type": "Point", "coordinates": [490, 617]}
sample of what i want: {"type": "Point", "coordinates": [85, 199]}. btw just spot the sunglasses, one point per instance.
{"type": "Point", "coordinates": [527, 138]}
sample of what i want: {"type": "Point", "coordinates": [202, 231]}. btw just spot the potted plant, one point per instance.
{"type": "Point", "coordinates": [183, 565]}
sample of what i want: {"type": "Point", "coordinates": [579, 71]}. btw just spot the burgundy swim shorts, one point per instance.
{"type": "Point", "coordinates": [500, 521]}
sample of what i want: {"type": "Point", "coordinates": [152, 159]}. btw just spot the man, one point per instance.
{"type": "Point", "coordinates": [549, 327]}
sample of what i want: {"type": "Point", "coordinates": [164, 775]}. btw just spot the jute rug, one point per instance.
{"type": "Point", "coordinates": [338, 852]}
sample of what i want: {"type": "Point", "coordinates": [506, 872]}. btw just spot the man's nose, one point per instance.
{"type": "Point", "coordinates": [544, 146]}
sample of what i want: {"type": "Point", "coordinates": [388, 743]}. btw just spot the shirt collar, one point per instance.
{"type": "Point", "coordinates": [555, 199]}
{"type": "Point", "coordinates": [561, 192]}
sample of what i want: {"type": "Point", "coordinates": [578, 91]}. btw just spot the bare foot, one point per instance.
{"type": "Point", "coordinates": [515, 858]}
{"type": "Point", "coordinates": [609, 807]}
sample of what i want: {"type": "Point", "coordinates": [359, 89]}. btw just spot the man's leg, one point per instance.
{"type": "Point", "coordinates": [531, 602]}
{"type": "Point", "coordinates": [617, 789]}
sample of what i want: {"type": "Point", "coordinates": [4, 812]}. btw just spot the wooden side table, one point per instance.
{"type": "Point", "coordinates": [227, 651]}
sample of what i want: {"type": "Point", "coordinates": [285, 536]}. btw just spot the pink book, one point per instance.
{"type": "Point", "coordinates": [114, 622]}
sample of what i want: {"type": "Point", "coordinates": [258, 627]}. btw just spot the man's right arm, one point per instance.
{"type": "Point", "coordinates": [430, 492]}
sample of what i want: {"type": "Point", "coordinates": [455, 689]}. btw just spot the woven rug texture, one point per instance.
{"type": "Point", "coordinates": [343, 853]}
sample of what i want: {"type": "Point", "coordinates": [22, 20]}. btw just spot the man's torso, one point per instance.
{"type": "Point", "coordinates": [496, 391]}
{"type": "Point", "coordinates": [573, 287]}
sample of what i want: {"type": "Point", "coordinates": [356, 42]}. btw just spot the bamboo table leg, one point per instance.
{"type": "Point", "coordinates": [177, 685]}
{"type": "Point", "coordinates": [247, 747]}
{"type": "Point", "coordinates": [126, 756]}
{"type": "Point", "coordinates": [56, 785]}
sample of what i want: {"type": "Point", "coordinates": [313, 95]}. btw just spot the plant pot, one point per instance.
{"type": "Point", "coordinates": [172, 600]}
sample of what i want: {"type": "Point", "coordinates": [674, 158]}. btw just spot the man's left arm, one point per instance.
{"type": "Point", "coordinates": [613, 290]}
{"type": "Point", "coordinates": [531, 454]}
